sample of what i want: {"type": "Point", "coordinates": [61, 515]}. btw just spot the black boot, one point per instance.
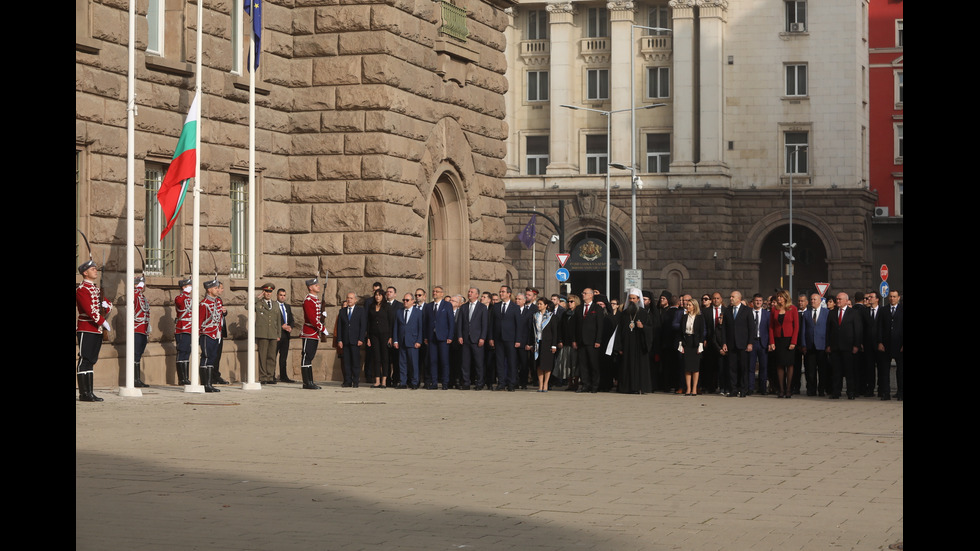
{"type": "Point", "coordinates": [85, 388]}
{"type": "Point", "coordinates": [206, 380]}
{"type": "Point", "coordinates": [137, 382]}
{"type": "Point", "coordinates": [216, 377]}
{"type": "Point", "coordinates": [183, 377]}
{"type": "Point", "coordinates": [307, 373]}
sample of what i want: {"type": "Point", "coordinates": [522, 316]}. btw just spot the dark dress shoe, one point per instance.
{"type": "Point", "coordinates": [286, 380]}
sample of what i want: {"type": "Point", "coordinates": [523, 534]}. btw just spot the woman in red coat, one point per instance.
{"type": "Point", "coordinates": [784, 323]}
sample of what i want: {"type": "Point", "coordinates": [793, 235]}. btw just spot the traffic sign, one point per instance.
{"type": "Point", "coordinates": [883, 290]}
{"type": "Point", "coordinates": [562, 258]}
{"type": "Point", "coordinates": [822, 288]}
{"type": "Point", "coordinates": [884, 272]}
{"type": "Point", "coordinates": [562, 275]}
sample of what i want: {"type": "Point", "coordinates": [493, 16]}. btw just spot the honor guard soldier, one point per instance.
{"type": "Point", "coordinates": [182, 331]}
{"type": "Point", "coordinates": [210, 315]}
{"type": "Point", "coordinates": [141, 321]}
{"type": "Point", "coordinates": [312, 329]}
{"type": "Point", "coordinates": [92, 311]}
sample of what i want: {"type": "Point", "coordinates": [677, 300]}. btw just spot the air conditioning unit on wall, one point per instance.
{"type": "Point", "coordinates": [797, 27]}
{"type": "Point", "coordinates": [881, 212]}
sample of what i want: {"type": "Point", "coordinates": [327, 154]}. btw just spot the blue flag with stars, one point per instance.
{"type": "Point", "coordinates": [254, 8]}
{"type": "Point", "coordinates": [529, 232]}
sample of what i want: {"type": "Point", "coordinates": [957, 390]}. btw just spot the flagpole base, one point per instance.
{"type": "Point", "coordinates": [251, 386]}
{"type": "Point", "coordinates": [194, 388]}
{"type": "Point", "coordinates": [130, 392]}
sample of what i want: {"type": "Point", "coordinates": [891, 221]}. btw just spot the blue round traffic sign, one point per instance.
{"type": "Point", "coordinates": [562, 275]}
{"type": "Point", "coordinates": [883, 290]}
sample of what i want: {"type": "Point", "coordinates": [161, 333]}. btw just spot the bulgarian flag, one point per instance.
{"type": "Point", "coordinates": [173, 189]}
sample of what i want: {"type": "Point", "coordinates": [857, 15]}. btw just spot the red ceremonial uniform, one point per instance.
{"type": "Point", "coordinates": [141, 316]}
{"type": "Point", "coordinates": [210, 314]}
{"type": "Point", "coordinates": [184, 312]}
{"type": "Point", "coordinates": [88, 300]}
{"type": "Point", "coordinates": [312, 322]}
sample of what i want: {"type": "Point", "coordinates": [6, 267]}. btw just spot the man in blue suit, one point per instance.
{"type": "Point", "coordinates": [815, 340]}
{"type": "Point", "coordinates": [471, 331]}
{"type": "Point", "coordinates": [407, 339]}
{"type": "Point", "coordinates": [352, 329]}
{"type": "Point", "coordinates": [760, 344]}
{"type": "Point", "coordinates": [438, 330]}
{"type": "Point", "coordinates": [507, 339]}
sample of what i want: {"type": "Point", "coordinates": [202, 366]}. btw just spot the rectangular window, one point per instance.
{"type": "Point", "coordinates": [537, 155]}
{"type": "Point", "coordinates": [658, 152]}
{"type": "Point", "coordinates": [658, 82]}
{"type": "Point", "coordinates": [537, 86]}
{"type": "Point", "coordinates": [797, 151]}
{"type": "Point", "coordinates": [596, 156]}
{"type": "Point", "coordinates": [598, 23]}
{"type": "Point", "coordinates": [899, 198]}
{"type": "Point", "coordinates": [658, 16]}
{"type": "Point", "coordinates": [537, 25]}
{"type": "Point", "coordinates": [155, 13]}
{"type": "Point", "coordinates": [796, 80]}
{"type": "Point", "coordinates": [598, 84]}
{"type": "Point", "coordinates": [899, 38]}
{"type": "Point", "coordinates": [237, 38]}
{"type": "Point", "coordinates": [899, 88]}
{"type": "Point", "coordinates": [239, 226]}
{"type": "Point", "coordinates": [795, 16]}
{"type": "Point", "coordinates": [899, 142]}
{"type": "Point", "coordinates": [160, 255]}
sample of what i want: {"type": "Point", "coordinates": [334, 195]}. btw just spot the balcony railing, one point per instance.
{"type": "Point", "coordinates": [454, 21]}
{"type": "Point", "coordinates": [656, 47]}
{"type": "Point", "coordinates": [533, 51]}
{"type": "Point", "coordinates": [594, 50]}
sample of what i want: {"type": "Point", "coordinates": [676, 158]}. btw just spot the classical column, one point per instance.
{"type": "Point", "coordinates": [712, 20]}
{"type": "Point", "coordinates": [621, 16]}
{"type": "Point", "coordinates": [685, 121]}
{"type": "Point", "coordinates": [515, 93]}
{"type": "Point", "coordinates": [562, 140]}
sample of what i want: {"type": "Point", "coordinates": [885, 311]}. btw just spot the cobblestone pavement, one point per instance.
{"type": "Point", "coordinates": [344, 469]}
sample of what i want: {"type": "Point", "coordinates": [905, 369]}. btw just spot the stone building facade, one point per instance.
{"type": "Point", "coordinates": [380, 140]}
{"type": "Point", "coordinates": [757, 95]}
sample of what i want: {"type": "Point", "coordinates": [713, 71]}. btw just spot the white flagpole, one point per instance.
{"type": "Point", "coordinates": [128, 389]}
{"type": "Point", "coordinates": [195, 377]}
{"type": "Point", "coordinates": [251, 384]}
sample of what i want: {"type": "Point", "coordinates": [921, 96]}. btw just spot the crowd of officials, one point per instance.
{"type": "Point", "coordinates": [506, 341]}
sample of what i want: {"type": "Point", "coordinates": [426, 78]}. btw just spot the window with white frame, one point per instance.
{"type": "Point", "coordinates": [796, 152]}
{"type": "Point", "coordinates": [596, 154]}
{"type": "Point", "coordinates": [899, 142]}
{"type": "Point", "coordinates": [658, 152]}
{"type": "Point", "coordinates": [795, 16]}
{"type": "Point", "coordinates": [239, 226]}
{"type": "Point", "coordinates": [537, 86]}
{"type": "Point", "coordinates": [537, 155]}
{"type": "Point", "coordinates": [155, 14]}
{"type": "Point", "coordinates": [237, 40]}
{"type": "Point", "coordinates": [899, 38]}
{"type": "Point", "coordinates": [598, 82]}
{"type": "Point", "coordinates": [160, 254]}
{"type": "Point", "coordinates": [899, 198]}
{"type": "Point", "coordinates": [796, 79]}
{"type": "Point", "coordinates": [658, 16]}
{"type": "Point", "coordinates": [899, 88]}
{"type": "Point", "coordinates": [658, 82]}
{"type": "Point", "coordinates": [537, 25]}
{"type": "Point", "coordinates": [598, 23]}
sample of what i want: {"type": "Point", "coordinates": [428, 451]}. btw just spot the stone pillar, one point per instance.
{"type": "Point", "coordinates": [562, 141]}
{"type": "Point", "coordinates": [515, 92]}
{"type": "Point", "coordinates": [682, 157]}
{"type": "Point", "coordinates": [620, 50]}
{"type": "Point", "coordinates": [712, 14]}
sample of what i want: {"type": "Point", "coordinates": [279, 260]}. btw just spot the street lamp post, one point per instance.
{"type": "Point", "coordinates": [794, 166]}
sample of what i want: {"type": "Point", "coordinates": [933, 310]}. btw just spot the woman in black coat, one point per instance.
{"type": "Point", "coordinates": [379, 336]}
{"type": "Point", "coordinates": [545, 341]}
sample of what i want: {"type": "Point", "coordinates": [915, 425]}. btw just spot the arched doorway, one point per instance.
{"type": "Point", "coordinates": [809, 266]}
{"type": "Point", "coordinates": [447, 233]}
{"type": "Point", "coordinates": [587, 264]}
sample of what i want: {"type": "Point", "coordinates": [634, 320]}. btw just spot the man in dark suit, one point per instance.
{"type": "Point", "coordinates": [872, 356]}
{"type": "Point", "coordinates": [287, 326]}
{"type": "Point", "coordinates": [714, 322]}
{"type": "Point", "coordinates": [891, 336]}
{"type": "Point", "coordinates": [507, 339]}
{"type": "Point", "coordinates": [525, 354]}
{"type": "Point", "coordinates": [760, 345]}
{"type": "Point", "coordinates": [739, 331]}
{"type": "Point", "coordinates": [395, 307]}
{"type": "Point", "coordinates": [471, 332]}
{"type": "Point", "coordinates": [865, 354]}
{"type": "Point", "coordinates": [407, 339]}
{"type": "Point", "coordinates": [844, 338]}
{"type": "Point", "coordinates": [352, 329]}
{"type": "Point", "coordinates": [801, 349]}
{"type": "Point", "coordinates": [438, 329]}
{"type": "Point", "coordinates": [588, 340]}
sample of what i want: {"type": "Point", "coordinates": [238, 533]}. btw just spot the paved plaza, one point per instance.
{"type": "Point", "coordinates": [345, 469]}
